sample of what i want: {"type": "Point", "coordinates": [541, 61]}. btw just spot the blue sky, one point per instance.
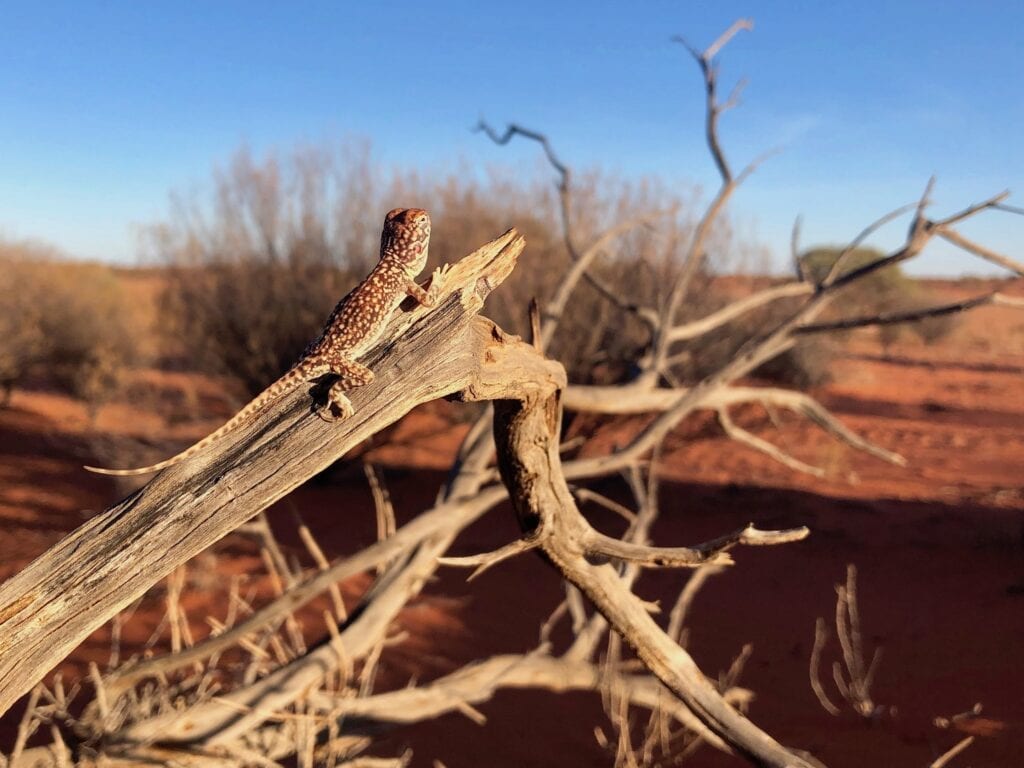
{"type": "Point", "coordinates": [107, 107]}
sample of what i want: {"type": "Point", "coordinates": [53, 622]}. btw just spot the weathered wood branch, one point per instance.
{"type": "Point", "coordinates": [82, 581]}
{"type": "Point", "coordinates": [505, 365]}
{"type": "Point", "coordinates": [738, 308]}
{"type": "Point", "coordinates": [478, 682]}
{"type": "Point", "coordinates": [639, 399]}
{"type": "Point", "coordinates": [695, 253]}
{"type": "Point", "coordinates": [526, 435]}
{"type": "Point", "coordinates": [742, 436]}
{"type": "Point", "coordinates": [444, 519]}
{"type": "Point", "coordinates": [908, 316]}
{"type": "Point", "coordinates": [581, 259]}
{"type": "Point", "coordinates": [954, 237]}
{"type": "Point", "coordinates": [229, 718]}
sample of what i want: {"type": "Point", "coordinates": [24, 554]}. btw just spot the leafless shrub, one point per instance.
{"type": "Point", "coordinates": [257, 265]}
{"type": "Point", "coordinates": [65, 323]}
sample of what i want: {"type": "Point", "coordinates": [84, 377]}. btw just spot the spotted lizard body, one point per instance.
{"type": "Point", "coordinates": [356, 323]}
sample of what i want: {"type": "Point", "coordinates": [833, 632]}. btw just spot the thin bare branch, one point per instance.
{"type": "Point", "coordinates": [681, 609]}
{"type": "Point", "coordinates": [442, 519]}
{"type": "Point", "coordinates": [585, 494]}
{"type": "Point", "coordinates": [740, 435]}
{"type": "Point", "coordinates": [596, 545]}
{"type": "Point", "coordinates": [581, 259]}
{"type": "Point", "coordinates": [794, 251]}
{"type": "Point", "coordinates": [477, 683]}
{"type": "Point", "coordinates": [1009, 208]}
{"type": "Point", "coordinates": [695, 252]}
{"type": "Point", "coordinates": [820, 638]}
{"type": "Point", "coordinates": [971, 210]}
{"type": "Point", "coordinates": [894, 318]}
{"type": "Point", "coordinates": [581, 264]}
{"type": "Point", "coordinates": [512, 130]}
{"type": "Point", "coordinates": [386, 524]}
{"type": "Point", "coordinates": [863, 235]}
{"type": "Point", "coordinates": [487, 560]}
{"type": "Point", "coordinates": [943, 760]}
{"type": "Point", "coordinates": [625, 400]}
{"type": "Point", "coordinates": [740, 25]}
{"type": "Point", "coordinates": [737, 309]}
{"type": "Point", "coordinates": [954, 237]}
{"type": "Point", "coordinates": [713, 108]}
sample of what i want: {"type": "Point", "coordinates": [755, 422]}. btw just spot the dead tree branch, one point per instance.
{"type": "Point", "coordinates": [895, 318]}
{"type": "Point", "coordinates": [443, 519]}
{"type": "Point", "coordinates": [629, 400]}
{"type": "Point", "coordinates": [478, 683]}
{"type": "Point", "coordinates": [74, 587]}
{"type": "Point", "coordinates": [696, 251]}
{"type": "Point", "coordinates": [781, 338]}
{"type": "Point", "coordinates": [526, 434]}
{"type": "Point", "coordinates": [582, 260]}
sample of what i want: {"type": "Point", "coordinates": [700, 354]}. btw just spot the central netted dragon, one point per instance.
{"type": "Point", "coordinates": [356, 323]}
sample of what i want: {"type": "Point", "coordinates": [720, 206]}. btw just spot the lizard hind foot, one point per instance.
{"type": "Point", "coordinates": [352, 375]}
{"type": "Point", "coordinates": [338, 408]}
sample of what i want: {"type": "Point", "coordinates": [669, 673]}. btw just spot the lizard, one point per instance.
{"type": "Point", "coordinates": [356, 323]}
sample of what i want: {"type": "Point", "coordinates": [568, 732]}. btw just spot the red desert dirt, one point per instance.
{"type": "Point", "coordinates": [939, 545]}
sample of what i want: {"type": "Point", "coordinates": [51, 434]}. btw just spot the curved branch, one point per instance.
{"type": "Point", "coordinates": [596, 544]}
{"type": "Point", "coordinates": [740, 435]}
{"type": "Point", "coordinates": [581, 261]}
{"type": "Point", "coordinates": [894, 318]}
{"type": "Point", "coordinates": [695, 253]}
{"type": "Point", "coordinates": [737, 309]}
{"type": "Point", "coordinates": [555, 308]}
{"type": "Point", "coordinates": [517, 130]}
{"type": "Point", "coordinates": [635, 400]}
{"type": "Point", "coordinates": [445, 518]}
{"type": "Point", "coordinates": [954, 237]}
{"type": "Point", "coordinates": [526, 435]}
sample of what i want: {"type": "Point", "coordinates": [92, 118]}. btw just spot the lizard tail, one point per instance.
{"type": "Point", "coordinates": [291, 380]}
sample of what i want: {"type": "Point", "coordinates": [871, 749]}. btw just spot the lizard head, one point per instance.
{"type": "Point", "coordinates": [405, 238]}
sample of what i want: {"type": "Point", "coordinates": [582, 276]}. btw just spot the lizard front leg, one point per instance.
{"type": "Point", "coordinates": [428, 298]}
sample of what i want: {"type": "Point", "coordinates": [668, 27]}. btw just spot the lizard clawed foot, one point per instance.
{"type": "Point", "coordinates": [336, 410]}
{"type": "Point", "coordinates": [437, 284]}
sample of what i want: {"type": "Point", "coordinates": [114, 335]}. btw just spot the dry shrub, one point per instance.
{"type": "Point", "coordinates": [254, 272]}
{"type": "Point", "coordinates": [64, 323]}
{"type": "Point", "coordinates": [257, 265]}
